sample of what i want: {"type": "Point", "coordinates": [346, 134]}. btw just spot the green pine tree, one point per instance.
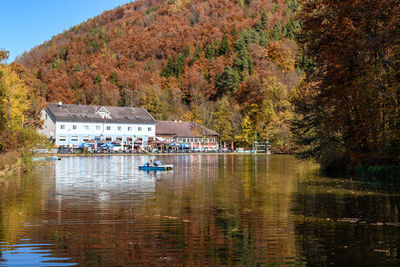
{"type": "Point", "coordinates": [224, 48]}
{"type": "Point", "coordinates": [196, 55]}
{"type": "Point", "coordinates": [169, 69]}
{"type": "Point", "coordinates": [77, 68]}
{"type": "Point", "coordinates": [114, 78]}
{"type": "Point", "coordinates": [97, 79]}
{"type": "Point", "coordinates": [210, 52]}
{"type": "Point", "coordinates": [227, 81]}
{"type": "Point", "coordinates": [180, 64]}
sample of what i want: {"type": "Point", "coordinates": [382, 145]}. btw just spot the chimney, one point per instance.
{"type": "Point", "coordinates": [60, 104]}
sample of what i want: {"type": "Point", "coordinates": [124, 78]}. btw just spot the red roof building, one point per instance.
{"type": "Point", "coordinates": [186, 132]}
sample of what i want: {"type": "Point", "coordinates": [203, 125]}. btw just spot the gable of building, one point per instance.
{"type": "Point", "coordinates": [104, 113]}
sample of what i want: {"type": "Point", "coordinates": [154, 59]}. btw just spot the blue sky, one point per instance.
{"type": "Point", "coordinates": [27, 23]}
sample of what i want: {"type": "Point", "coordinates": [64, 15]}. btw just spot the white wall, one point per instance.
{"type": "Point", "coordinates": [49, 127]}
{"type": "Point", "coordinates": [92, 128]}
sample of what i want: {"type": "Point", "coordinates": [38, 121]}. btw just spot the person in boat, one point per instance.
{"type": "Point", "coordinates": [157, 162]}
{"type": "Point", "coordinates": [150, 163]}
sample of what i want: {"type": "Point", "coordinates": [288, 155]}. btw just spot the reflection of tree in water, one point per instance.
{"type": "Point", "coordinates": [347, 222]}
{"type": "Point", "coordinates": [234, 216]}
{"type": "Point", "coordinates": [21, 198]}
{"type": "Point", "coordinates": [211, 210]}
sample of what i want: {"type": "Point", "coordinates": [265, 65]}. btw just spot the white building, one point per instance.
{"type": "Point", "coordinates": [71, 125]}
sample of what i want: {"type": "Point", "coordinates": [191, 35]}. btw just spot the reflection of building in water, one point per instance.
{"type": "Point", "coordinates": [211, 210]}
{"type": "Point", "coordinates": [100, 179]}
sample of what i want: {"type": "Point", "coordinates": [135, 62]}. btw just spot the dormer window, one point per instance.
{"type": "Point", "coordinates": [104, 113]}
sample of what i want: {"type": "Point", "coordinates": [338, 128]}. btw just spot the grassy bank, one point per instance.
{"type": "Point", "coordinates": [10, 162]}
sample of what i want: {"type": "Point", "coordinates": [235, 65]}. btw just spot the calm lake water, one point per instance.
{"type": "Point", "coordinates": [211, 210]}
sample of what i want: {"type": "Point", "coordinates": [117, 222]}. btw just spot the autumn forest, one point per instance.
{"type": "Point", "coordinates": [320, 78]}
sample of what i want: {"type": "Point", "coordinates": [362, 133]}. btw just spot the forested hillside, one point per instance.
{"type": "Point", "coordinates": [228, 64]}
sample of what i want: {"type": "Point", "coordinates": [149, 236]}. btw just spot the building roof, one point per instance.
{"type": "Point", "coordinates": [183, 129]}
{"type": "Point", "coordinates": [84, 113]}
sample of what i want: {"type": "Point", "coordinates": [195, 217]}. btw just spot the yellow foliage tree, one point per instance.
{"type": "Point", "coordinates": [281, 56]}
{"type": "Point", "coordinates": [278, 110]}
{"type": "Point", "coordinates": [271, 117]}
{"type": "Point", "coordinates": [15, 97]}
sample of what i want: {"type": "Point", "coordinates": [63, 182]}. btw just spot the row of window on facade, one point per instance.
{"type": "Point", "coordinates": [108, 128]}
{"type": "Point", "coordinates": [87, 138]}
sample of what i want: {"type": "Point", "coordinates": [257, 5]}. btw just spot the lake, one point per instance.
{"type": "Point", "coordinates": [210, 210]}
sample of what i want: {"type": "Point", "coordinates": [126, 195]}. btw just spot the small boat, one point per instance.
{"type": "Point", "coordinates": [42, 159]}
{"type": "Point", "coordinates": [156, 168]}
{"type": "Point", "coordinates": [241, 150]}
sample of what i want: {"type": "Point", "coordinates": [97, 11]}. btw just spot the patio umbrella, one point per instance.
{"type": "Point", "coordinates": [86, 145]}
{"type": "Point", "coordinates": [107, 145]}
{"type": "Point", "coordinates": [138, 142]}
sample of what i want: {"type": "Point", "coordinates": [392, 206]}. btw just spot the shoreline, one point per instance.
{"type": "Point", "coordinates": [144, 154]}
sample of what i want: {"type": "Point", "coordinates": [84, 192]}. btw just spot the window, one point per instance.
{"type": "Point", "coordinates": [74, 138]}
{"type": "Point", "coordinates": [62, 126]}
{"type": "Point", "coordinates": [149, 129]}
{"type": "Point", "coordinates": [108, 138]}
{"type": "Point", "coordinates": [62, 138]}
{"type": "Point", "coordinates": [129, 128]}
{"type": "Point", "coordinates": [45, 116]}
{"type": "Point", "coordinates": [139, 129]}
{"type": "Point", "coordinates": [98, 128]}
{"type": "Point", "coordinates": [74, 127]}
{"type": "Point", "coordinates": [86, 127]}
{"type": "Point", "coordinates": [108, 128]}
{"type": "Point", "coordinates": [119, 128]}
{"type": "Point", "coordinates": [85, 138]}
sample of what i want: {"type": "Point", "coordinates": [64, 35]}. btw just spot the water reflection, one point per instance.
{"type": "Point", "coordinates": [211, 210]}
{"type": "Point", "coordinates": [30, 255]}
